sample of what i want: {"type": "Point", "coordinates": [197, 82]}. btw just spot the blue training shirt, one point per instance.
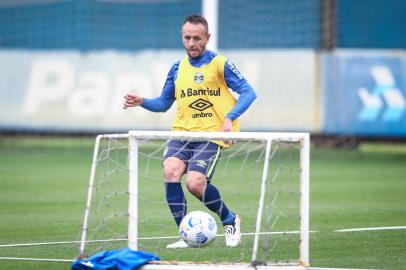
{"type": "Point", "coordinates": [235, 81]}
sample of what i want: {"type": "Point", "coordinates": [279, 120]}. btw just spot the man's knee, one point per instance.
{"type": "Point", "coordinates": [196, 183]}
{"type": "Point", "coordinates": [173, 169]}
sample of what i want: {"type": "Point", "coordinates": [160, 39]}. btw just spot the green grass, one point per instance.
{"type": "Point", "coordinates": [43, 185]}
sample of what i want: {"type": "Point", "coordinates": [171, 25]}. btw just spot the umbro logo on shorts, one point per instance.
{"type": "Point", "coordinates": [201, 163]}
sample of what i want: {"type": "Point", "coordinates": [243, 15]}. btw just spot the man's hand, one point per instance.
{"type": "Point", "coordinates": [132, 100]}
{"type": "Point", "coordinates": [227, 126]}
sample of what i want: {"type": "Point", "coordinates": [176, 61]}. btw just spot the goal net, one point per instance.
{"type": "Point", "coordinates": [264, 178]}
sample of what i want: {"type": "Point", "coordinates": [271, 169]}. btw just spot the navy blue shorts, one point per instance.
{"type": "Point", "coordinates": [198, 156]}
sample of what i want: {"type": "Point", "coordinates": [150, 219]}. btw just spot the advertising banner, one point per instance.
{"type": "Point", "coordinates": [364, 93]}
{"type": "Point", "coordinates": [68, 91]}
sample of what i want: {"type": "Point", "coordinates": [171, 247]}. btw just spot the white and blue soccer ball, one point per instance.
{"type": "Point", "coordinates": [198, 229]}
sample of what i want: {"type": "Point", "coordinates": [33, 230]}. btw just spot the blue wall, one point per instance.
{"type": "Point", "coordinates": [371, 23]}
{"type": "Point", "coordinates": [269, 24]}
{"type": "Point", "coordinates": [91, 25]}
{"type": "Point", "coordinates": [243, 24]}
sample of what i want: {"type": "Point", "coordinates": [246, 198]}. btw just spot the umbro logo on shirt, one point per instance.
{"type": "Point", "coordinates": [200, 104]}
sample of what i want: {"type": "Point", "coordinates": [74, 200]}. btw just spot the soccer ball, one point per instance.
{"type": "Point", "coordinates": [198, 228]}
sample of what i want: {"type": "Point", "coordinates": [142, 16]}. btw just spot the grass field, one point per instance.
{"type": "Point", "coordinates": [43, 187]}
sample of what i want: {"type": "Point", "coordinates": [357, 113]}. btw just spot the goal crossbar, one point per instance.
{"type": "Point", "coordinates": [243, 136]}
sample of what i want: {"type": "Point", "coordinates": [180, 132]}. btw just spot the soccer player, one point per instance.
{"type": "Point", "coordinates": [200, 85]}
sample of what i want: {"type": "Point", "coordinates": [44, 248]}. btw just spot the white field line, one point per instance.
{"type": "Point", "coordinates": [141, 238]}
{"type": "Point", "coordinates": [58, 243]}
{"type": "Point", "coordinates": [36, 259]}
{"type": "Point", "coordinates": [372, 229]}
{"type": "Point", "coordinates": [175, 237]}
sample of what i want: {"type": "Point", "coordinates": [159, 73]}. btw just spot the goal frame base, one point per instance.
{"type": "Point", "coordinates": [175, 265]}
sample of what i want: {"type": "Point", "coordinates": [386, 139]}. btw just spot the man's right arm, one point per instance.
{"type": "Point", "coordinates": [164, 101]}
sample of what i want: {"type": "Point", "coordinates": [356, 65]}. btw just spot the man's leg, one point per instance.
{"type": "Point", "coordinates": [210, 196]}
{"type": "Point", "coordinates": [230, 221]}
{"type": "Point", "coordinates": [201, 169]}
{"type": "Point", "coordinates": [173, 171]}
{"type": "Point", "coordinates": [174, 167]}
{"type": "Point", "coordinates": [212, 200]}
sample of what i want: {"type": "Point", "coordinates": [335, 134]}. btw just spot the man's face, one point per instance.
{"type": "Point", "coordinates": [194, 39]}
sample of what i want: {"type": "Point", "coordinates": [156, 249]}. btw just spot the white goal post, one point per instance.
{"type": "Point", "coordinates": [267, 138]}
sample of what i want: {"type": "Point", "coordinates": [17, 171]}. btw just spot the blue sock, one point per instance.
{"type": "Point", "coordinates": [176, 201]}
{"type": "Point", "coordinates": [213, 201]}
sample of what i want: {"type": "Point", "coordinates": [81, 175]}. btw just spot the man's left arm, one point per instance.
{"type": "Point", "coordinates": [236, 82]}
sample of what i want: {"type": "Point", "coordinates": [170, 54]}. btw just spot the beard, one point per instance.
{"type": "Point", "coordinates": [196, 52]}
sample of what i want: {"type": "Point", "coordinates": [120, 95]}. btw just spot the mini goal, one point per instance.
{"type": "Point", "coordinates": [264, 178]}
